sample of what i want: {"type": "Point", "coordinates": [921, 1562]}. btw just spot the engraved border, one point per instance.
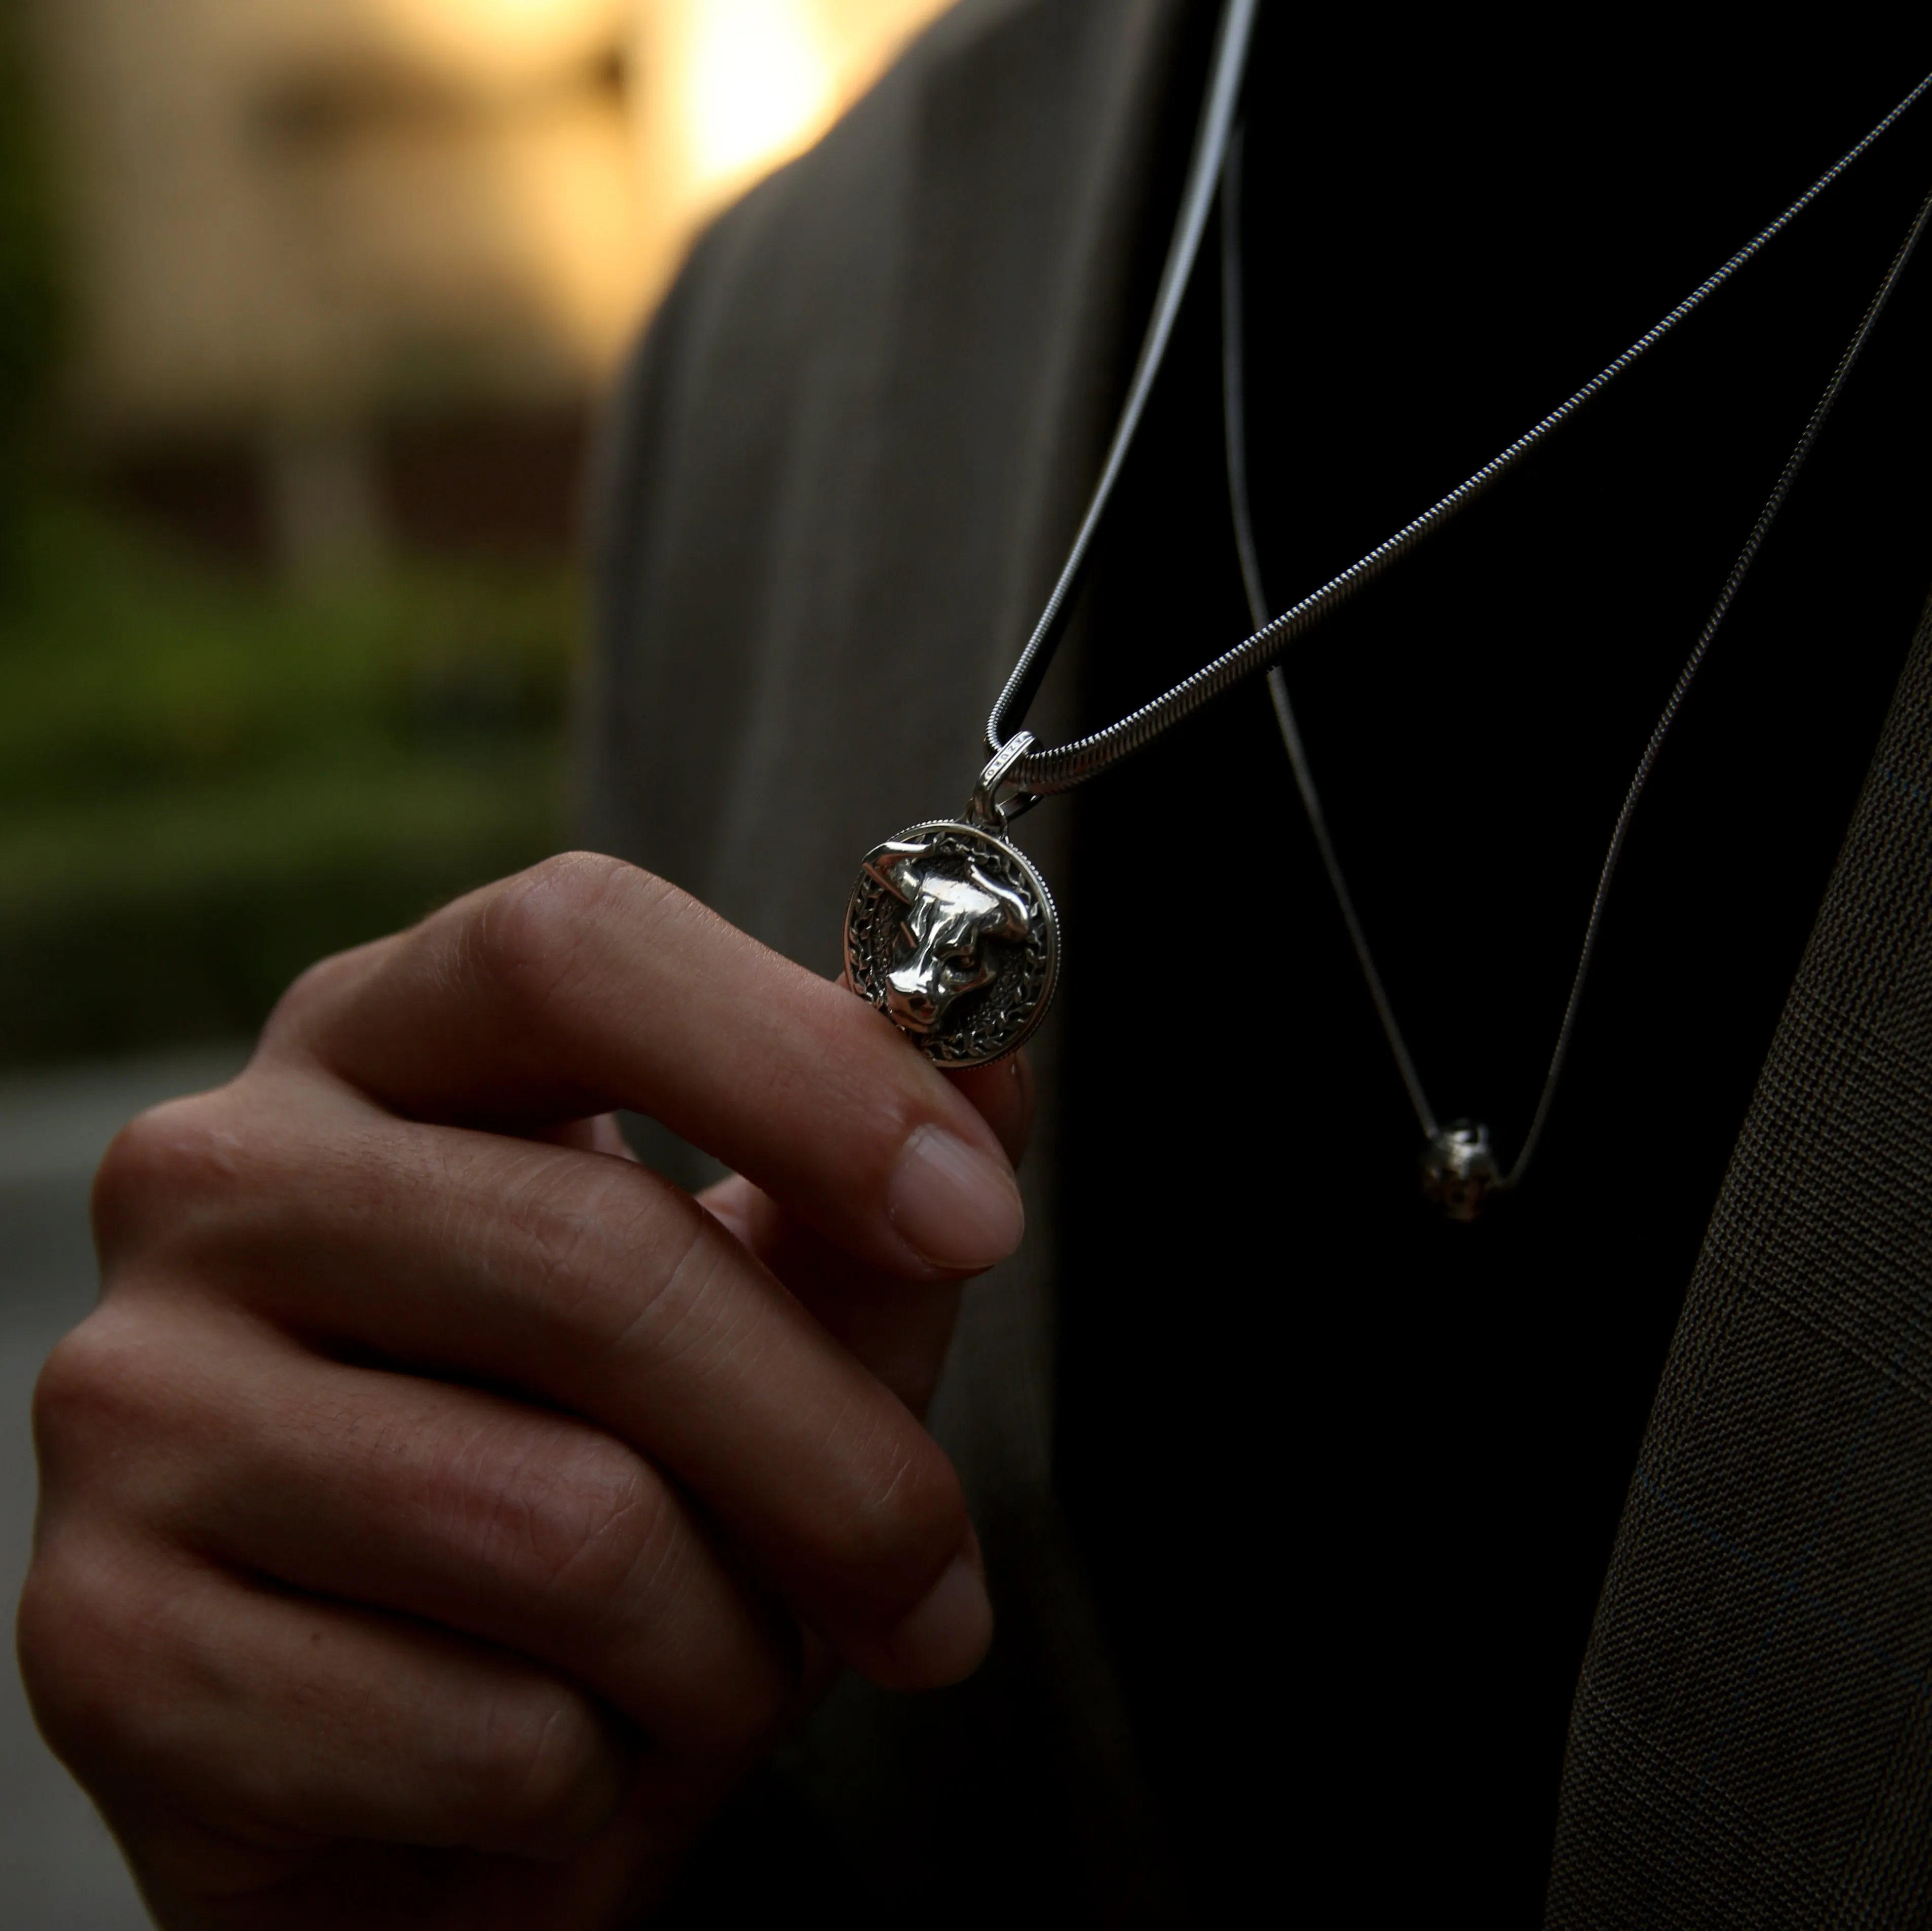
{"type": "Point", "coordinates": [995, 1026]}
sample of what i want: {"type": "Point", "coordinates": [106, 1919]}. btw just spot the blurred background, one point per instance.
{"type": "Point", "coordinates": [305, 310]}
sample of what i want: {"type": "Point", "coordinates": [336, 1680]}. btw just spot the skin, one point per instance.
{"type": "Point", "coordinates": [441, 1513]}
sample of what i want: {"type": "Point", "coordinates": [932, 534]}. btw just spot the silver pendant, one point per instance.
{"type": "Point", "coordinates": [1459, 1168]}
{"type": "Point", "coordinates": [952, 934]}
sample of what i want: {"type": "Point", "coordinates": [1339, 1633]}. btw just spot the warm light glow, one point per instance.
{"type": "Point", "coordinates": [759, 83]}
{"type": "Point", "coordinates": [287, 208]}
{"type": "Point", "coordinates": [733, 88]}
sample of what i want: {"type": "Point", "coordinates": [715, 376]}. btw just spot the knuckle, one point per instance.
{"type": "Point", "coordinates": [600, 1547]}
{"type": "Point", "coordinates": [82, 1639]}
{"type": "Point", "coordinates": [592, 1532]}
{"type": "Point", "coordinates": [618, 1262]}
{"type": "Point", "coordinates": [542, 1772]}
{"type": "Point", "coordinates": [661, 1311]}
{"type": "Point", "coordinates": [316, 988]}
{"type": "Point", "coordinates": [95, 1388]}
{"type": "Point", "coordinates": [528, 937]}
{"type": "Point", "coordinates": [907, 1516]}
{"type": "Point", "coordinates": [163, 1162]}
{"type": "Point", "coordinates": [43, 1630]}
{"type": "Point", "coordinates": [77, 1381]}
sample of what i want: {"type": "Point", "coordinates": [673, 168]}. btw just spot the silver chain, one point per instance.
{"type": "Point", "coordinates": [1045, 770]}
{"type": "Point", "coordinates": [1235, 440]}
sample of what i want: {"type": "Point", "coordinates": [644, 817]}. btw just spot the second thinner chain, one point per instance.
{"type": "Point", "coordinates": [1235, 440]}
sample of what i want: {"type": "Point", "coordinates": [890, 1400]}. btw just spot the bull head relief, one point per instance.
{"type": "Point", "coordinates": [952, 915]}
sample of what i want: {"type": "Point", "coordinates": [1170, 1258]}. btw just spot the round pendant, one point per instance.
{"type": "Point", "coordinates": [952, 935]}
{"type": "Point", "coordinates": [1459, 1168]}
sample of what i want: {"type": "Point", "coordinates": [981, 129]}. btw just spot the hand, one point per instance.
{"type": "Point", "coordinates": [441, 1511]}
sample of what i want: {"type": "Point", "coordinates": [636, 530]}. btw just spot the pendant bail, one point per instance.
{"type": "Point", "coordinates": [987, 807]}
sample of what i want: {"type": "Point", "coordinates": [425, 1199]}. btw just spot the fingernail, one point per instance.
{"type": "Point", "coordinates": [952, 1205]}
{"type": "Point", "coordinates": [944, 1638]}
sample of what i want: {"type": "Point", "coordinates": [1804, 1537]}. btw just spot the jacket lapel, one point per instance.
{"type": "Point", "coordinates": [1751, 1741]}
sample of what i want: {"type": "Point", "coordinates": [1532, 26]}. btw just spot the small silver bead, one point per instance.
{"type": "Point", "coordinates": [1459, 1168]}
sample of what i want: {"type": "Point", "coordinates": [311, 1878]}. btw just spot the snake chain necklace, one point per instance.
{"type": "Point", "coordinates": [951, 932]}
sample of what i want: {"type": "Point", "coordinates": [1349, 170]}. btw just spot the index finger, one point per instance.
{"type": "Point", "coordinates": [587, 984]}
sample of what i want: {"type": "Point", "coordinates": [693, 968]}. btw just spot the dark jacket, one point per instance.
{"type": "Point", "coordinates": [844, 468]}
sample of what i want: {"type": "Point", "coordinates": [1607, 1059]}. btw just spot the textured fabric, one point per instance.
{"type": "Point", "coordinates": [1752, 1743]}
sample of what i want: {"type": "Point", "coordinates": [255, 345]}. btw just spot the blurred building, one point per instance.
{"type": "Point", "coordinates": [348, 273]}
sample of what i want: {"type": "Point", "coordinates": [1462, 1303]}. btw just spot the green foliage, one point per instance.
{"type": "Point", "coordinates": [205, 782]}
{"type": "Point", "coordinates": [127, 665]}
